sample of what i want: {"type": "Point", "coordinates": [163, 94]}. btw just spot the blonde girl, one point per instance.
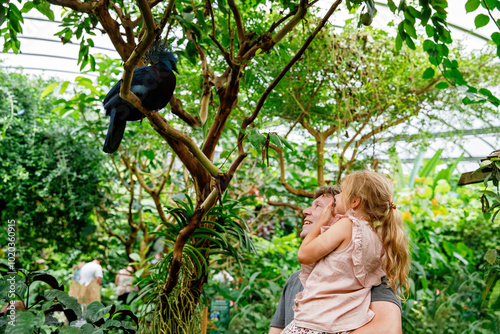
{"type": "Point", "coordinates": [344, 256]}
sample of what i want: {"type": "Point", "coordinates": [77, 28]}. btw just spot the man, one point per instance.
{"type": "Point", "coordinates": [90, 271]}
{"type": "Point", "coordinates": [384, 303]}
{"type": "Point", "coordinates": [90, 283]}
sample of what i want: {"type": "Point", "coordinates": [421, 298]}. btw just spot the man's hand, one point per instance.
{"type": "Point", "coordinates": [387, 319]}
{"type": "Point", "coordinates": [275, 330]}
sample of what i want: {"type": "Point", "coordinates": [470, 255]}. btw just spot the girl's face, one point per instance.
{"type": "Point", "coordinates": [339, 204]}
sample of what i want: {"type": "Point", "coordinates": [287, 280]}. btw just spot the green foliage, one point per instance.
{"type": "Point", "coordinates": [221, 236]}
{"type": "Point", "coordinates": [257, 284]}
{"type": "Point", "coordinates": [40, 315]}
{"type": "Point", "coordinates": [50, 170]}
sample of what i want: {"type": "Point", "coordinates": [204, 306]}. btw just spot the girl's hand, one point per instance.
{"type": "Point", "coordinates": [327, 214]}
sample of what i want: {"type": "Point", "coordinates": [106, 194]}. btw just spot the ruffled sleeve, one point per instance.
{"type": "Point", "coordinates": [367, 254]}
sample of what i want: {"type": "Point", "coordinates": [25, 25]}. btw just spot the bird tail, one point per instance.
{"type": "Point", "coordinates": [115, 132]}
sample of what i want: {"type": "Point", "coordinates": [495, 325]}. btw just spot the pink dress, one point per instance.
{"type": "Point", "coordinates": [336, 294]}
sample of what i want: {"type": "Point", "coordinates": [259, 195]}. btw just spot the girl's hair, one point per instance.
{"type": "Point", "coordinates": [376, 195]}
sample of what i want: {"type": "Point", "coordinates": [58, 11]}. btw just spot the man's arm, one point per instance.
{"type": "Point", "coordinates": [275, 330]}
{"type": "Point", "coordinates": [99, 280]}
{"type": "Point", "coordinates": [387, 319]}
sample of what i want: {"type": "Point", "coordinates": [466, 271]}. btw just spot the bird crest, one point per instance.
{"type": "Point", "coordinates": [158, 51]}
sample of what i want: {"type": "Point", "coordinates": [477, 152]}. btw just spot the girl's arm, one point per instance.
{"type": "Point", "coordinates": [315, 246]}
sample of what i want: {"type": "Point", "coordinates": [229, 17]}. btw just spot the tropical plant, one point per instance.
{"type": "Point", "coordinates": [40, 308]}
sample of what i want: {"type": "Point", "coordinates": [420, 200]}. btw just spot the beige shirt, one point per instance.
{"type": "Point", "coordinates": [336, 294]}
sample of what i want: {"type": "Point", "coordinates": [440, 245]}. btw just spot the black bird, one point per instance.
{"type": "Point", "coordinates": [153, 85]}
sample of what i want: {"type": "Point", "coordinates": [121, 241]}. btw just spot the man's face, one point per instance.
{"type": "Point", "coordinates": [312, 213]}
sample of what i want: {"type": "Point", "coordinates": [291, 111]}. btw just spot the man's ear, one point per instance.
{"type": "Point", "coordinates": [355, 203]}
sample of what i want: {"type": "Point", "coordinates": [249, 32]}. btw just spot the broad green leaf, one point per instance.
{"type": "Point", "coordinates": [64, 86]}
{"type": "Point", "coordinates": [410, 29]}
{"type": "Point", "coordinates": [26, 322]}
{"type": "Point", "coordinates": [428, 73]}
{"type": "Point", "coordinates": [136, 257]}
{"type": "Point", "coordinates": [495, 37]}
{"type": "Point", "coordinates": [429, 30]}
{"type": "Point", "coordinates": [481, 20]}
{"type": "Point", "coordinates": [495, 296]}
{"type": "Point", "coordinates": [150, 154]}
{"type": "Point", "coordinates": [68, 301]}
{"type": "Point", "coordinates": [44, 8]}
{"type": "Point", "coordinates": [48, 90]}
{"type": "Point", "coordinates": [428, 45]}
{"type": "Point", "coordinates": [491, 256]}
{"type": "Point", "coordinates": [410, 43]}
{"type": "Point", "coordinates": [491, 4]}
{"type": "Point", "coordinates": [275, 140]}
{"type": "Point", "coordinates": [392, 5]}
{"type": "Point", "coordinates": [442, 85]}
{"type": "Point", "coordinates": [472, 5]}
{"type": "Point", "coordinates": [399, 42]}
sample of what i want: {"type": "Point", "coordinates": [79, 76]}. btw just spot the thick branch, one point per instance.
{"type": "Point", "coordinates": [299, 15]}
{"type": "Point", "coordinates": [76, 5]}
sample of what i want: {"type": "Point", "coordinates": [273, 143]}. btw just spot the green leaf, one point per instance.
{"type": "Point", "coordinates": [44, 8]}
{"type": "Point", "coordinates": [428, 73]}
{"type": "Point", "coordinates": [410, 29]}
{"type": "Point", "coordinates": [481, 20]}
{"type": "Point", "coordinates": [70, 330]}
{"type": "Point", "coordinates": [428, 45]}
{"type": "Point", "coordinates": [410, 43]}
{"type": "Point", "coordinates": [135, 257]}
{"type": "Point", "coordinates": [431, 164]}
{"type": "Point", "coordinates": [442, 85]}
{"type": "Point", "coordinates": [49, 279]}
{"type": "Point", "coordinates": [392, 5]}
{"type": "Point", "coordinates": [472, 5]}
{"type": "Point", "coordinates": [256, 139]}
{"type": "Point", "coordinates": [275, 140]}
{"type": "Point", "coordinates": [399, 42]}
{"type": "Point", "coordinates": [150, 154]}
{"type": "Point", "coordinates": [491, 4]}
{"type": "Point", "coordinates": [429, 30]}
{"type": "Point", "coordinates": [87, 83]}
{"type": "Point", "coordinates": [68, 301]}
{"type": "Point", "coordinates": [491, 256]}
{"type": "Point", "coordinates": [64, 86]}
{"type": "Point", "coordinates": [495, 297]}
{"type": "Point", "coordinates": [495, 37]}
{"type": "Point", "coordinates": [26, 322]}
{"type": "Point", "coordinates": [48, 90]}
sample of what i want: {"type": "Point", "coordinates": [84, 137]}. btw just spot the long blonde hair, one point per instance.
{"type": "Point", "coordinates": [376, 194]}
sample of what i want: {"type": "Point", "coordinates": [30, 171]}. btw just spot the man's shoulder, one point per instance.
{"type": "Point", "coordinates": [293, 282]}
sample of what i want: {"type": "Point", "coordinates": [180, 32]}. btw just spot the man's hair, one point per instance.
{"type": "Point", "coordinates": [327, 190]}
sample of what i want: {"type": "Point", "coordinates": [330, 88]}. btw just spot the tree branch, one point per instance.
{"type": "Point", "coordinates": [289, 188]}
{"type": "Point", "coordinates": [237, 20]}
{"type": "Point", "coordinates": [176, 108]}
{"type": "Point", "coordinates": [249, 120]}
{"type": "Point", "coordinates": [290, 205]}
